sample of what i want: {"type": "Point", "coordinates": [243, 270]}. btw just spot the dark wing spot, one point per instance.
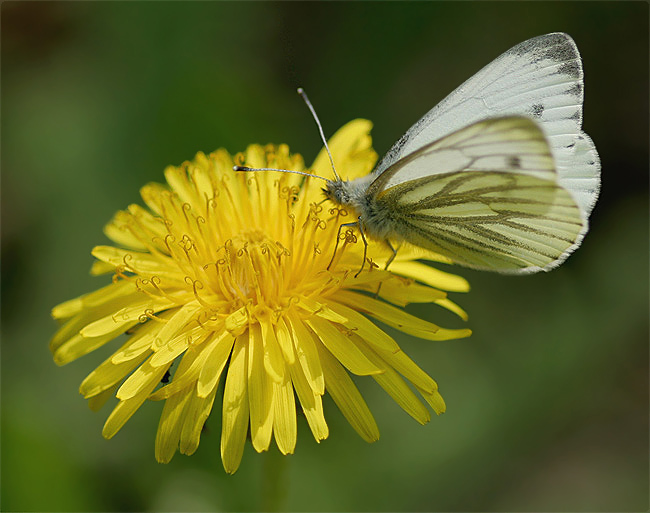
{"type": "Point", "coordinates": [570, 68]}
{"type": "Point", "coordinates": [576, 116]}
{"type": "Point", "coordinates": [575, 89]}
{"type": "Point", "coordinates": [557, 47]}
{"type": "Point", "coordinates": [514, 162]}
{"type": "Point", "coordinates": [537, 110]}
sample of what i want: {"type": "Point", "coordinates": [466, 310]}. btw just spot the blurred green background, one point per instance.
{"type": "Point", "coordinates": [547, 401]}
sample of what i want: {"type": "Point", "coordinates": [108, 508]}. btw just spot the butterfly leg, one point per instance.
{"type": "Point", "coordinates": [338, 239]}
{"type": "Point", "coordinates": [392, 257]}
{"type": "Point", "coordinates": [336, 246]}
{"type": "Point", "coordinates": [388, 262]}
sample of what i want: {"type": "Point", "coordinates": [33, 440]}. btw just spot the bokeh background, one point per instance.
{"type": "Point", "coordinates": [547, 401]}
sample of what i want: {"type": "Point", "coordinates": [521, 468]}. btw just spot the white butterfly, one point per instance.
{"type": "Point", "coordinates": [498, 176]}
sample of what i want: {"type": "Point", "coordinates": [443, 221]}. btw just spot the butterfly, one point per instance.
{"type": "Point", "coordinates": [499, 176]}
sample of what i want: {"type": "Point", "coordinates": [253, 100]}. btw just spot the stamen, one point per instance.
{"type": "Point", "coordinates": [155, 282]}
{"type": "Point", "coordinates": [211, 322]}
{"type": "Point", "coordinates": [186, 208]}
{"type": "Point", "coordinates": [220, 279]}
{"type": "Point", "coordinates": [126, 258]}
{"type": "Point", "coordinates": [239, 158]}
{"type": "Point", "coordinates": [141, 284]}
{"type": "Point", "coordinates": [197, 285]}
{"type": "Point", "coordinates": [149, 315]}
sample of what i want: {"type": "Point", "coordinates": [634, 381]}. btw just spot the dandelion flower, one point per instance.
{"type": "Point", "coordinates": [233, 276]}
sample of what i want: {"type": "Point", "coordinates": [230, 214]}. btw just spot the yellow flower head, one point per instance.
{"type": "Point", "coordinates": [235, 275]}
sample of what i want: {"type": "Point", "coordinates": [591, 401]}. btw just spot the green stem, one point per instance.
{"type": "Point", "coordinates": [275, 482]}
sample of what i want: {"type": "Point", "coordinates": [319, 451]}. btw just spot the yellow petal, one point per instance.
{"type": "Point", "coordinates": [237, 322]}
{"type": "Point", "coordinates": [141, 340]}
{"type": "Point", "coordinates": [196, 413]}
{"type": "Point", "coordinates": [435, 400]}
{"type": "Point", "coordinates": [137, 261]}
{"type": "Point", "coordinates": [125, 409]}
{"type": "Point", "coordinates": [364, 327]}
{"type": "Point", "coordinates": [311, 403]}
{"type": "Point", "coordinates": [347, 397]}
{"type": "Point", "coordinates": [215, 362]}
{"type": "Point", "coordinates": [283, 336]}
{"type": "Point", "coordinates": [430, 275]}
{"type": "Point", "coordinates": [170, 425]}
{"type": "Point", "coordinates": [234, 424]}
{"type": "Point", "coordinates": [320, 309]}
{"type": "Point", "coordinates": [152, 194]}
{"type": "Point", "coordinates": [401, 292]}
{"type": "Point", "coordinates": [96, 298]}
{"type": "Point", "coordinates": [96, 402]}
{"type": "Point", "coordinates": [122, 319]}
{"type": "Point", "coordinates": [307, 354]}
{"type": "Point", "coordinates": [176, 346]}
{"type": "Point", "coordinates": [88, 316]}
{"type": "Point", "coordinates": [453, 307]}
{"type": "Point", "coordinates": [273, 361]}
{"type": "Point", "coordinates": [284, 417]}
{"type": "Point", "coordinates": [145, 377]}
{"type": "Point", "coordinates": [79, 346]}
{"type": "Point", "coordinates": [385, 346]}
{"type": "Point", "coordinates": [107, 375]}
{"type": "Point", "coordinates": [188, 370]}
{"type": "Point", "coordinates": [150, 230]}
{"type": "Point", "coordinates": [201, 179]}
{"type": "Point", "coordinates": [122, 234]}
{"type": "Point", "coordinates": [174, 324]}
{"type": "Point", "coordinates": [410, 252]}
{"type": "Point", "coordinates": [341, 347]}
{"type": "Point", "coordinates": [98, 268]}
{"type": "Point", "coordinates": [399, 319]}
{"type": "Point", "coordinates": [352, 152]}
{"type": "Point", "coordinates": [394, 385]}
{"type": "Point", "coordinates": [260, 392]}
{"type": "Point", "coordinates": [176, 335]}
{"type": "Point", "coordinates": [177, 179]}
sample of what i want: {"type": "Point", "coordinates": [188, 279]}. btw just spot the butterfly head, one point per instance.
{"type": "Point", "coordinates": [336, 191]}
{"type": "Point", "coordinates": [349, 193]}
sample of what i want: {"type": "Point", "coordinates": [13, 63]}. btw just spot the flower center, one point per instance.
{"type": "Point", "coordinates": [249, 268]}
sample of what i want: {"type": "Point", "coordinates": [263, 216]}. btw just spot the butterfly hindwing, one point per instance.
{"type": "Point", "coordinates": [485, 196]}
{"type": "Point", "coordinates": [506, 222]}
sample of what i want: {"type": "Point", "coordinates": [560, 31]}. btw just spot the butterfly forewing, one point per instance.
{"type": "Point", "coordinates": [499, 144]}
{"type": "Point", "coordinates": [541, 78]}
{"type": "Point", "coordinates": [496, 205]}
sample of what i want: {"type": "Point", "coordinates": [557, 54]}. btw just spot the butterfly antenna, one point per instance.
{"type": "Point", "coordinates": [302, 93]}
{"type": "Point", "coordinates": [245, 168]}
